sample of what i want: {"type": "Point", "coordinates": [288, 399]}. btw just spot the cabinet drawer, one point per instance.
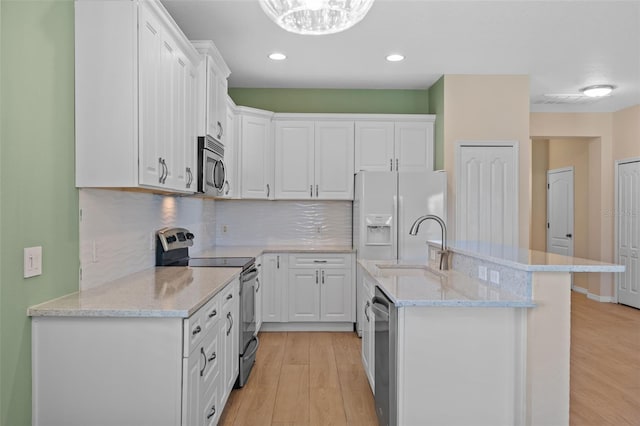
{"type": "Point", "coordinates": [211, 313]}
{"type": "Point", "coordinates": [193, 332]}
{"type": "Point", "coordinates": [320, 260]}
{"type": "Point", "coordinates": [228, 294]}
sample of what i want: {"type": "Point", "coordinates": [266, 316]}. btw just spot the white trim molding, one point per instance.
{"type": "Point", "coordinates": [604, 299]}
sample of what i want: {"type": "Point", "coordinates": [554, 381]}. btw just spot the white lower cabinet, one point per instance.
{"type": "Point", "coordinates": [320, 288]}
{"type": "Point", "coordinates": [368, 332]}
{"type": "Point", "coordinates": [274, 287]}
{"type": "Point", "coordinates": [153, 371]}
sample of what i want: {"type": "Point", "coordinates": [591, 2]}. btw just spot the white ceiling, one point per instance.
{"type": "Point", "coordinates": [562, 45]}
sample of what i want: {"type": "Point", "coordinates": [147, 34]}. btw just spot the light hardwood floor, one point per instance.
{"type": "Point", "coordinates": [304, 379]}
{"type": "Point", "coordinates": [317, 378]}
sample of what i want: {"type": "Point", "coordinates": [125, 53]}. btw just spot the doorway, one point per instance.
{"type": "Point", "coordinates": [560, 204]}
{"type": "Point", "coordinates": [628, 231]}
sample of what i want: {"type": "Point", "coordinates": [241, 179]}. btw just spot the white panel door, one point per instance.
{"type": "Point", "coordinates": [191, 403]}
{"type": "Point", "coordinates": [628, 214]}
{"type": "Point", "coordinates": [256, 156]}
{"type": "Point", "coordinates": [486, 196]}
{"type": "Point", "coordinates": [374, 146]}
{"type": "Point", "coordinates": [560, 211]}
{"type": "Point", "coordinates": [334, 160]}
{"type": "Point", "coordinates": [212, 99]}
{"type": "Point", "coordinates": [335, 295]}
{"type": "Point", "coordinates": [304, 294]}
{"type": "Point", "coordinates": [294, 148]}
{"type": "Point", "coordinates": [414, 147]}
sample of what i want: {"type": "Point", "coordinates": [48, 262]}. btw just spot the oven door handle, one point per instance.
{"type": "Point", "coordinates": [248, 353]}
{"type": "Point", "coordinates": [250, 275]}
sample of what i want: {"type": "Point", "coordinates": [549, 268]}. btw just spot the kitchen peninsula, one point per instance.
{"type": "Point", "coordinates": [478, 351]}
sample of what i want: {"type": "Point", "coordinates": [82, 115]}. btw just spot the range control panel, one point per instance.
{"type": "Point", "coordinates": [175, 238]}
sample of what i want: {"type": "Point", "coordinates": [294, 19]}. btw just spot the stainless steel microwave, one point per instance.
{"type": "Point", "coordinates": [212, 177]}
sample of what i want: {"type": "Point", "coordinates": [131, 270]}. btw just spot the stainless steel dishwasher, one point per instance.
{"type": "Point", "coordinates": [386, 335]}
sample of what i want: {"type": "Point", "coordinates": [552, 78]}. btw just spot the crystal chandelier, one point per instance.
{"type": "Point", "coordinates": [316, 17]}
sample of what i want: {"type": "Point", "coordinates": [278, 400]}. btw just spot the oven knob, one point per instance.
{"type": "Point", "coordinates": [190, 236]}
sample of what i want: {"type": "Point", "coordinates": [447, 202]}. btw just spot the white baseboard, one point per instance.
{"type": "Point", "coordinates": [580, 290]}
{"type": "Point", "coordinates": [307, 326]}
{"type": "Point", "coordinates": [597, 298]}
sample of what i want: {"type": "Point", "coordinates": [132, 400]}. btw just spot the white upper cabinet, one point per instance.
{"type": "Point", "coordinates": [334, 160]}
{"type": "Point", "coordinates": [231, 145]}
{"type": "Point", "coordinates": [256, 154]}
{"type": "Point", "coordinates": [212, 96]}
{"type": "Point", "coordinates": [314, 160]}
{"type": "Point", "coordinates": [294, 159]}
{"type": "Point", "coordinates": [135, 97]}
{"type": "Point", "coordinates": [394, 145]}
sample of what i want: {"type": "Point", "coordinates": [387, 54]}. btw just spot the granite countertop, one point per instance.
{"type": "Point", "coordinates": [424, 287]}
{"type": "Point", "coordinates": [156, 292]}
{"type": "Point", "coordinates": [254, 251]}
{"type": "Point", "coordinates": [528, 260]}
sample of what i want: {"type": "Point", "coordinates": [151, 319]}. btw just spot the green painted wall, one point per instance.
{"type": "Point", "coordinates": [334, 100]}
{"type": "Point", "coordinates": [39, 203]}
{"type": "Point", "coordinates": [436, 106]}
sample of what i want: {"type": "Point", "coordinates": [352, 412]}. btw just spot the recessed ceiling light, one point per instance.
{"type": "Point", "coordinates": [395, 57]}
{"type": "Point", "coordinates": [597, 90]}
{"type": "Point", "coordinates": [277, 56]}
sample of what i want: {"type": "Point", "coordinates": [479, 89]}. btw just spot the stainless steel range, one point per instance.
{"type": "Point", "coordinates": [172, 249]}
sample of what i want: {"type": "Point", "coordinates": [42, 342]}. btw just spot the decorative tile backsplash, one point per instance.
{"type": "Point", "coordinates": [117, 230]}
{"type": "Point", "coordinates": [254, 222]}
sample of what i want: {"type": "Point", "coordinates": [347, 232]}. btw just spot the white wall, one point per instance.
{"type": "Point", "coordinates": [318, 223]}
{"type": "Point", "coordinates": [121, 226]}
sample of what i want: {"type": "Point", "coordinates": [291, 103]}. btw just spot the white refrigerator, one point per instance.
{"type": "Point", "coordinates": [385, 206]}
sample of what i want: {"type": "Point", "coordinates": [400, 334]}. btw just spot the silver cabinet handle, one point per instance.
{"type": "Point", "coordinates": [316, 276]}
{"type": "Point", "coordinates": [219, 130]}
{"type": "Point", "coordinates": [229, 296]}
{"type": "Point", "coordinates": [189, 177]}
{"type": "Point", "coordinates": [213, 313]}
{"type": "Point", "coordinates": [316, 190]}
{"type": "Point", "coordinates": [230, 318]}
{"type": "Point", "coordinates": [319, 261]}
{"type": "Point", "coordinates": [322, 277]}
{"type": "Point", "coordinates": [365, 311]}
{"type": "Point", "coordinates": [310, 190]}
{"type": "Point", "coordinates": [396, 164]}
{"type": "Point", "coordinates": [205, 361]}
{"type": "Point", "coordinates": [257, 282]}
{"type": "Point", "coordinates": [278, 262]}
{"type": "Point", "coordinates": [390, 164]}
{"type": "Point", "coordinates": [268, 190]}
{"type": "Point", "coordinates": [196, 330]}
{"type": "Point", "coordinates": [212, 413]}
{"type": "Point", "coordinates": [161, 162]}
{"type": "Point", "coordinates": [212, 357]}
{"type": "Point", "coordinates": [166, 170]}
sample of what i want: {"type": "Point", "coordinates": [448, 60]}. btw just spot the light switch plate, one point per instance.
{"type": "Point", "coordinates": [32, 261]}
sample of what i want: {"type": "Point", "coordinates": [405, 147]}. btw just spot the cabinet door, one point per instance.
{"type": "Point", "coordinates": [212, 100]}
{"type": "Point", "coordinates": [229, 339]}
{"type": "Point", "coordinates": [221, 107]}
{"type": "Point", "coordinates": [374, 146]}
{"type": "Point", "coordinates": [304, 294]}
{"type": "Point", "coordinates": [414, 146]}
{"type": "Point", "coordinates": [335, 295]}
{"type": "Point", "coordinates": [257, 161]}
{"type": "Point", "coordinates": [230, 153]}
{"type": "Point", "coordinates": [334, 160]}
{"type": "Point", "coordinates": [368, 334]}
{"type": "Point", "coordinates": [150, 76]}
{"type": "Point", "coordinates": [191, 401]}
{"type": "Point", "coordinates": [294, 154]}
{"type": "Point", "coordinates": [274, 288]}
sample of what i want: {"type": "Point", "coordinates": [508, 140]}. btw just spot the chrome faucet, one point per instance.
{"type": "Point", "coordinates": [444, 254]}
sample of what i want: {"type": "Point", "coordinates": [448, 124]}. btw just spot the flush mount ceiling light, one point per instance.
{"type": "Point", "coordinates": [316, 17]}
{"type": "Point", "coordinates": [597, 90]}
{"type": "Point", "coordinates": [395, 57]}
{"type": "Point", "coordinates": [277, 56]}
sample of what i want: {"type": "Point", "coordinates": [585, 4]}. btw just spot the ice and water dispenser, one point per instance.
{"type": "Point", "coordinates": [379, 230]}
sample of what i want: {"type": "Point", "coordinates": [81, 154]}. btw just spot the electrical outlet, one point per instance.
{"type": "Point", "coordinates": [432, 253]}
{"type": "Point", "coordinates": [495, 277]}
{"type": "Point", "coordinates": [94, 252]}
{"type": "Point", "coordinates": [224, 229]}
{"type": "Point", "coordinates": [319, 229]}
{"type": "Point", "coordinates": [482, 272]}
{"type": "Point", "coordinates": [32, 261]}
